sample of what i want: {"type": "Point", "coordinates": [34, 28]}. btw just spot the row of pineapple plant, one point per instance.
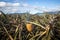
{"type": "Point", "coordinates": [16, 27]}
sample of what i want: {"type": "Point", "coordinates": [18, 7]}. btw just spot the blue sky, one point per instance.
{"type": "Point", "coordinates": [32, 6]}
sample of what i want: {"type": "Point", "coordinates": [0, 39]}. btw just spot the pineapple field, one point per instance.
{"type": "Point", "coordinates": [29, 27]}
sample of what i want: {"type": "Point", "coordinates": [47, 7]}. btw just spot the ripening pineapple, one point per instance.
{"type": "Point", "coordinates": [29, 27]}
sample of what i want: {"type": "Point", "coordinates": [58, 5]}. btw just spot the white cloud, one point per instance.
{"type": "Point", "coordinates": [13, 4]}
{"type": "Point", "coordinates": [16, 4]}
{"type": "Point", "coordinates": [2, 4]}
{"type": "Point", "coordinates": [25, 5]}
